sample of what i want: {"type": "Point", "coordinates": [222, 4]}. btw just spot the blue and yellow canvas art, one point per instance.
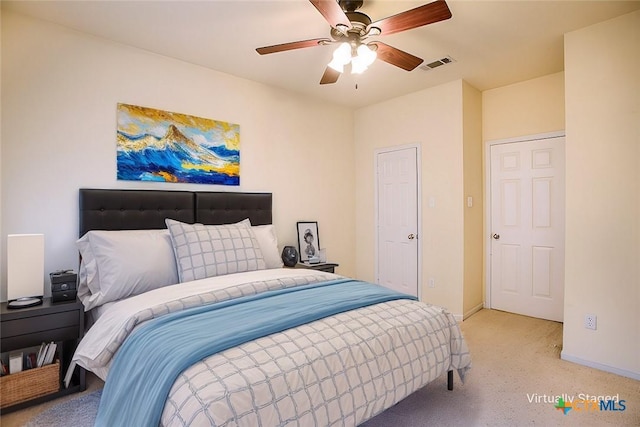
{"type": "Point", "coordinates": [156, 145]}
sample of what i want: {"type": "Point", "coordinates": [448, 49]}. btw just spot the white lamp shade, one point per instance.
{"type": "Point", "coordinates": [25, 266]}
{"type": "Point", "coordinates": [365, 57]}
{"type": "Point", "coordinates": [367, 54]}
{"type": "Point", "coordinates": [358, 65]}
{"type": "Point", "coordinates": [342, 54]}
{"type": "Point", "coordinates": [336, 65]}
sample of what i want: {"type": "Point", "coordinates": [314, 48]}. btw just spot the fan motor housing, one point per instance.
{"type": "Point", "coordinates": [350, 5]}
{"type": "Point", "coordinates": [358, 19]}
{"type": "Point", "coordinates": [359, 23]}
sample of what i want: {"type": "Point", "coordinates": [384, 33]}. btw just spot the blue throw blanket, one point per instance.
{"type": "Point", "coordinates": [150, 360]}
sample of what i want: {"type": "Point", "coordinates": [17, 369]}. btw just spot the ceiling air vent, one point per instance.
{"type": "Point", "coordinates": [437, 63]}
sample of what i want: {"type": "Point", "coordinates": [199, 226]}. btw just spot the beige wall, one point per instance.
{"type": "Point", "coordinates": [473, 295]}
{"type": "Point", "coordinates": [532, 107]}
{"type": "Point", "coordinates": [602, 64]}
{"type": "Point", "coordinates": [432, 118]}
{"type": "Point", "coordinates": [59, 94]}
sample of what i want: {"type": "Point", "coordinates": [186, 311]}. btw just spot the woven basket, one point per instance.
{"type": "Point", "coordinates": [29, 384]}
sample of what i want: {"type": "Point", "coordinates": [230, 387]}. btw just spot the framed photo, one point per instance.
{"type": "Point", "coordinates": [308, 239]}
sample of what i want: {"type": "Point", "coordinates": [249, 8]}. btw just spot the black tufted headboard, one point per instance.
{"type": "Point", "coordinates": [110, 209]}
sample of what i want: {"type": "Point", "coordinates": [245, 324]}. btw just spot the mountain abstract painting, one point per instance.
{"type": "Point", "coordinates": [156, 145]}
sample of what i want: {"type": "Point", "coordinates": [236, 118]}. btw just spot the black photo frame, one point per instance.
{"type": "Point", "coordinates": [308, 239]}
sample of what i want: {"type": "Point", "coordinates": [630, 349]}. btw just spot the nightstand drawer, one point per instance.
{"type": "Point", "coordinates": [328, 267]}
{"type": "Point", "coordinates": [34, 339]}
{"type": "Point", "coordinates": [35, 324]}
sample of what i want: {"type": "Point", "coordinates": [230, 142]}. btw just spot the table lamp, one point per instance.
{"type": "Point", "coordinates": [25, 270]}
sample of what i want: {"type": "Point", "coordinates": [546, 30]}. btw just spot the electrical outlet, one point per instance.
{"type": "Point", "coordinates": [432, 282]}
{"type": "Point", "coordinates": [591, 321]}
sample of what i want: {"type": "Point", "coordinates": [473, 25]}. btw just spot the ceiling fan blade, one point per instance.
{"type": "Point", "coordinates": [330, 76]}
{"type": "Point", "coordinates": [396, 56]}
{"type": "Point", "coordinates": [413, 18]}
{"type": "Point", "coordinates": [290, 46]}
{"type": "Point", "coordinates": [332, 12]}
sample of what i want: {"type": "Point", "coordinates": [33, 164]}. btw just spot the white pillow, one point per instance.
{"type": "Point", "coordinates": [214, 250]}
{"type": "Point", "coordinates": [268, 241]}
{"type": "Point", "coordinates": [119, 264]}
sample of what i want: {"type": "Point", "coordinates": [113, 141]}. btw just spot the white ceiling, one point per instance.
{"type": "Point", "coordinates": [494, 43]}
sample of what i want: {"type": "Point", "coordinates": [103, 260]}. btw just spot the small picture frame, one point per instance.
{"type": "Point", "coordinates": [308, 240]}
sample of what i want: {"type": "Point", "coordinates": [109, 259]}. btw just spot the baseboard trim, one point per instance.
{"type": "Point", "coordinates": [600, 366]}
{"type": "Point", "coordinates": [473, 311]}
{"type": "Point", "coordinates": [459, 318]}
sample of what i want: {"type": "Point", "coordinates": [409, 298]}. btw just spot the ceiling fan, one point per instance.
{"type": "Point", "coordinates": [351, 28]}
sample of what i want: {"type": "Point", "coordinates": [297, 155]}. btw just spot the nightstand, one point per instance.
{"type": "Point", "coordinates": [329, 267]}
{"type": "Point", "coordinates": [62, 322]}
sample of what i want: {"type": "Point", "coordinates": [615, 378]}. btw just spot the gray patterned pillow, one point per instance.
{"type": "Point", "coordinates": [214, 250]}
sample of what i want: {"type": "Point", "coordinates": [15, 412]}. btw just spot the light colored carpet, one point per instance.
{"type": "Point", "coordinates": [80, 411]}
{"type": "Point", "coordinates": [515, 358]}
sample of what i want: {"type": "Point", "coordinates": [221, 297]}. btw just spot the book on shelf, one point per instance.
{"type": "Point", "coordinates": [41, 354]}
{"type": "Point", "coordinates": [51, 352]}
{"type": "Point", "coordinates": [46, 354]}
{"type": "Point", "coordinates": [15, 362]}
{"type": "Point", "coordinates": [31, 361]}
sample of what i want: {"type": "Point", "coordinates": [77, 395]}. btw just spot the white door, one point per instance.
{"type": "Point", "coordinates": [527, 227]}
{"type": "Point", "coordinates": [397, 219]}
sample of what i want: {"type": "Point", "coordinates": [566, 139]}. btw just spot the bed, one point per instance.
{"type": "Point", "coordinates": [196, 322]}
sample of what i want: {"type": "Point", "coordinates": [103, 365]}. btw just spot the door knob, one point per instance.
{"type": "Point", "coordinates": [411, 236]}
{"type": "Point", "coordinates": [496, 236]}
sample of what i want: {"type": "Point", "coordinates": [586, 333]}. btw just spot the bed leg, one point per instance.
{"type": "Point", "coordinates": [449, 380]}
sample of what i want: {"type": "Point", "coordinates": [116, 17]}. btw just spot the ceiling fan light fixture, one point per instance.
{"type": "Point", "coordinates": [366, 55]}
{"type": "Point", "coordinates": [336, 65]}
{"type": "Point", "coordinates": [341, 57]}
{"type": "Point", "coordinates": [342, 54]}
{"type": "Point", "coordinates": [358, 66]}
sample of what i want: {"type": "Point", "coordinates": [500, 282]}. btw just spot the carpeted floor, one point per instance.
{"type": "Point", "coordinates": [515, 359]}
{"type": "Point", "coordinates": [80, 411]}
{"type": "Point", "coordinates": [516, 366]}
